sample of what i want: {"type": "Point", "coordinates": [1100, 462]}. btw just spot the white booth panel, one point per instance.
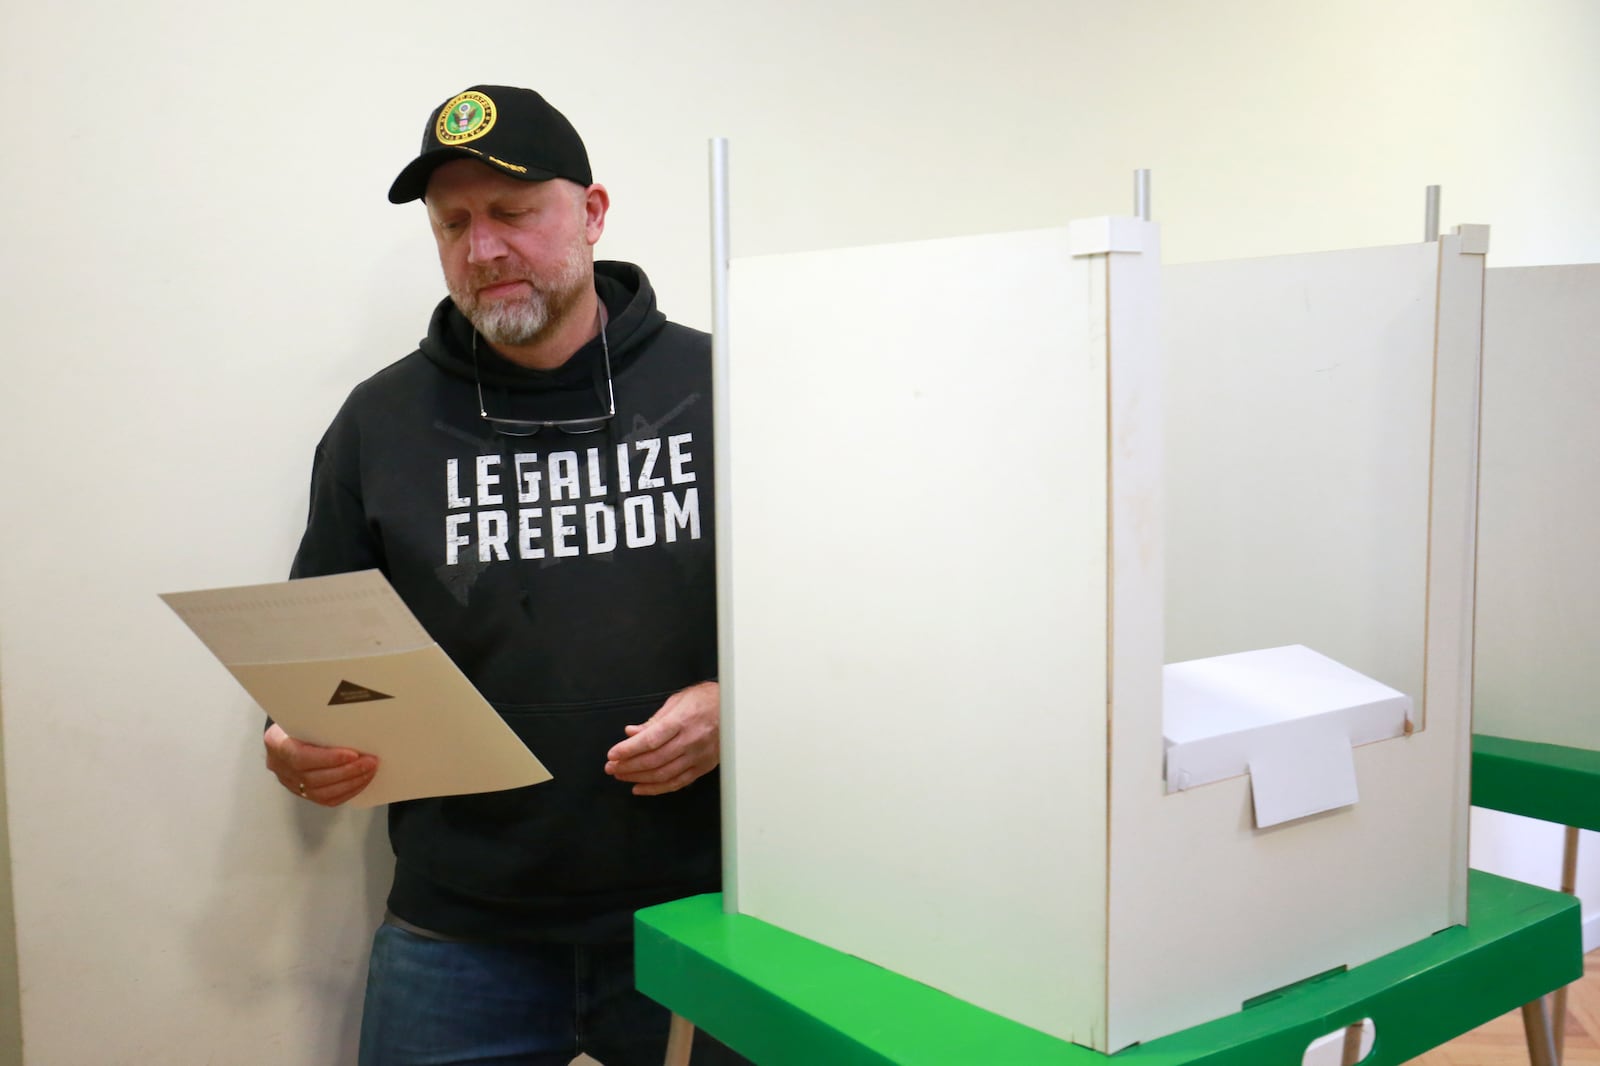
{"type": "Point", "coordinates": [1539, 553]}
{"type": "Point", "coordinates": [1298, 418]}
{"type": "Point", "coordinates": [1303, 443]}
{"type": "Point", "coordinates": [918, 592]}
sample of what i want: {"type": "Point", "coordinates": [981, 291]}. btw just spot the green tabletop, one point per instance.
{"type": "Point", "coordinates": [782, 1000]}
{"type": "Point", "coordinates": [1547, 781]}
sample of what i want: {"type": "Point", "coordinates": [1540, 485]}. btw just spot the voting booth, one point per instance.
{"type": "Point", "coordinates": [1539, 582]}
{"type": "Point", "coordinates": [1537, 748]}
{"type": "Point", "coordinates": [975, 495]}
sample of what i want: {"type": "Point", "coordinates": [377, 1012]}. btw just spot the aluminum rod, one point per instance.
{"type": "Point", "coordinates": [1430, 224]}
{"type": "Point", "coordinates": [1141, 194]}
{"type": "Point", "coordinates": [722, 440]}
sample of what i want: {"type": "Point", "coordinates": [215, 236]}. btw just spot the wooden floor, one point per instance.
{"type": "Point", "coordinates": [1501, 1043]}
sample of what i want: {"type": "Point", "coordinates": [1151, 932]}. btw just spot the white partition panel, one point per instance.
{"type": "Point", "coordinates": [918, 456]}
{"type": "Point", "coordinates": [1539, 556]}
{"type": "Point", "coordinates": [1298, 417]}
{"type": "Point", "coordinates": [1206, 910]}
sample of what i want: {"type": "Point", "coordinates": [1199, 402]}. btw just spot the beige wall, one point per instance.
{"type": "Point", "coordinates": [197, 262]}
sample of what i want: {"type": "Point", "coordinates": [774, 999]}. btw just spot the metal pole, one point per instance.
{"type": "Point", "coordinates": [721, 465]}
{"type": "Point", "coordinates": [1141, 194]}
{"type": "Point", "coordinates": [1430, 225]}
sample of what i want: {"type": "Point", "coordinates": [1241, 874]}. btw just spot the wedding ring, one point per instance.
{"type": "Point", "coordinates": [302, 788]}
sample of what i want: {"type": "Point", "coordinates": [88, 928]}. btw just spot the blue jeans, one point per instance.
{"type": "Point", "coordinates": [451, 1003]}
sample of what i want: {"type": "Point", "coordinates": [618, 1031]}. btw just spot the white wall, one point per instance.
{"type": "Point", "coordinates": [196, 261]}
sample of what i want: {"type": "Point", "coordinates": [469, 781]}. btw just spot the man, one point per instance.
{"type": "Point", "coordinates": [535, 481]}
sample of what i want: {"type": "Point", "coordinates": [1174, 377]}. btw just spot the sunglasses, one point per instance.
{"type": "Point", "coordinates": [528, 427]}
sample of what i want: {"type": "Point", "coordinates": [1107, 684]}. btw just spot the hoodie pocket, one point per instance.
{"type": "Point", "coordinates": [582, 833]}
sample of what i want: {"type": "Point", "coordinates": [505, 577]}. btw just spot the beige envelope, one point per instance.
{"type": "Point", "coordinates": [341, 661]}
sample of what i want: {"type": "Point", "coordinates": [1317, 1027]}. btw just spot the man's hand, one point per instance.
{"type": "Point", "coordinates": [328, 776]}
{"type": "Point", "coordinates": [679, 743]}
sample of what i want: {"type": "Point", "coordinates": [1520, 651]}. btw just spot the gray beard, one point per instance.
{"type": "Point", "coordinates": [511, 323]}
{"type": "Point", "coordinates": [520, 322]}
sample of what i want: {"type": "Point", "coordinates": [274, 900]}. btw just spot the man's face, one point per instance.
{"type": "Point", "coordinates": [517, 255]}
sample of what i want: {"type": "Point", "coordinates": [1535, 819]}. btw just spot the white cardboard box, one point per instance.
{"type": "Point", "coordinates": [1289, 717]}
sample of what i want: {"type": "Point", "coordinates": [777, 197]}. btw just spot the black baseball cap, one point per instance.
{"type": "Point", "coordinates": [515, 131]}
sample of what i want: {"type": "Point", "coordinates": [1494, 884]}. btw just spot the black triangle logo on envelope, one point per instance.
{"type": "Point", "coordinates": [350, 692]}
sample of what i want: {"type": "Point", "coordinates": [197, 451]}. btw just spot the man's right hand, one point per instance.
{"type": "Point", "coordinates": [328, 776]}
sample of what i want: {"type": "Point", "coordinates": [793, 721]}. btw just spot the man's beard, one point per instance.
{"type": "Point", "coordinates": [520, 320]}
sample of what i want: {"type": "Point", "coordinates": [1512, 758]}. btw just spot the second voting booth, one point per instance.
{"type": "Point", "coordinates": [1097, 638]}
{"type": "Point", "coordinates": [1541, 616]}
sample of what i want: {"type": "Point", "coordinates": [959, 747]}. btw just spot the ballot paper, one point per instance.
{"type": "Point", "coordinates": [341, 661]}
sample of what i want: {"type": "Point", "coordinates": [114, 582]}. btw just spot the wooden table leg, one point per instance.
{"type": "Point", "coordinates": [1558, 1000]}
{"type": "Point", "coordinates": [1541, 1048]}
{"type": "Point", "coordinates": [1352, 1044]}
{"type": "Point", "coordinates": [1551, 1035]}
{"type": "Point", "coordinates": [680, 1041]}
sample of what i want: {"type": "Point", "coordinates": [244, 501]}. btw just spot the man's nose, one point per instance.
{"type": "Point", "coordinates": [483, 243]}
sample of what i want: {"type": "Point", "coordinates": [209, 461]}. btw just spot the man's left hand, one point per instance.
{"type": "Point", "coordinates": [679, 743]}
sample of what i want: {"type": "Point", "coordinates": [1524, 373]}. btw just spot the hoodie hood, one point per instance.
{"type": "Point", "coordinates": [632, 319]}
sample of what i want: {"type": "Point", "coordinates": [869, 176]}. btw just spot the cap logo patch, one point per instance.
{"type": "Point", "coordinates": [465, 118]}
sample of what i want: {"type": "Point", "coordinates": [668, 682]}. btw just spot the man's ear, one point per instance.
{"type": "Point", "coordinates": [596, 202]}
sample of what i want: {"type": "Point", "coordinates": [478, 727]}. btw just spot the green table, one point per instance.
{"type": "Point", "coordinates": [782, 1000]}
{"type": "Point", "coordinates": [1550, 782]}
{"type": "Point", "coordinates": [1545, 781]}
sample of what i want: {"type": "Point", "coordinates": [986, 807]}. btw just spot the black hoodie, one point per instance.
{"type": "Point", "coordinates": [570, 577]}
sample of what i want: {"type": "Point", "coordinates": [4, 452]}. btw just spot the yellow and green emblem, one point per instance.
{"type": "Point", "coordinates": [465, 118]}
